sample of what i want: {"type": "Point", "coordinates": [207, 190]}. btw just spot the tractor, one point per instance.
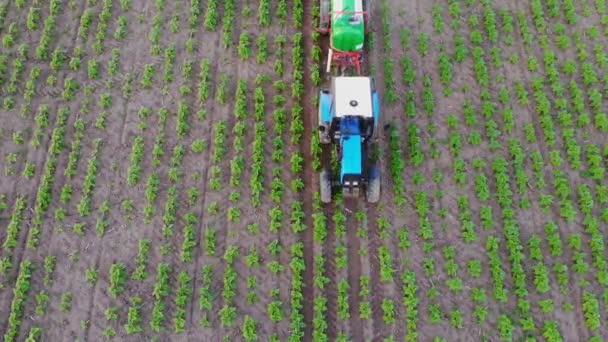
{"type": "Point", "coordinates": [349, 107]}
{"type": "Point", "coordinates": [348, 118]}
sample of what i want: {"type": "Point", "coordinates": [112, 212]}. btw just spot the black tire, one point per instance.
{"type": "Point", "coordinates": [324, 138]}
{"type": "Point", "coordinates": [325, 186]}
{"type": "Point", "coordinates": [373, 185]}
{"type": "Point", "coordinates": [324, 7]}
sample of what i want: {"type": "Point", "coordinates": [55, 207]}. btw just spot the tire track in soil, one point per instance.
{"type": "Point", "coordinates": [353, 272]}
{"type": "Point", "coordinates": [544, 150]}
{"type": "Point", "coordinates": [220, 223]}
{"type": "Point", "coordinates": [309, 113]}
{"type": "Point", "coordinates": [211, 119]}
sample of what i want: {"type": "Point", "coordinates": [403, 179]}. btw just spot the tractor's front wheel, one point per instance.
{"type": "Point", "coordinates": [373, 185]}
{"type": "Point", "coordinates": [325, 186]}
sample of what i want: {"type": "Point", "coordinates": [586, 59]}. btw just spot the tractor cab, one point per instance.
{"type": "Point", "coordinates": [350, 106]}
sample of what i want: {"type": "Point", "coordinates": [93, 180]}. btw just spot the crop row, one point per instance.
{"type": "Point", "coordinates": [228, 311]}
{"type": "Point", "coordinates": [89, 183]}
{"type": "Point", "coordinates": [50, 22]}
{"type": "Point", "coordinates": [44, 193]}
{"type": "Point", "coordinates": [257, 167]}
{"type": "Point", "coordinates": [20, 295]}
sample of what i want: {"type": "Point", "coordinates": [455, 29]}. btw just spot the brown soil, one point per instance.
{"type": "Point", "coordinates": [86, 321]}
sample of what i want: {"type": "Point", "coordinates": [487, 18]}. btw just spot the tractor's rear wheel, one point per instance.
{"type": "Point", "coordinates": [325, 186]}
{"type": "Point", "coordinates": [324, 7]}
{"type": "Point", "coordinates": [373, 185]}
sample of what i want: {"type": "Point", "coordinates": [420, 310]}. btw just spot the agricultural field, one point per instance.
{"type": "Point", "coordinates": [159, 159]}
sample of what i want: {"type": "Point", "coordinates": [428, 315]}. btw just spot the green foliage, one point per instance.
{"type": "Point", "coordinates": [184, 290]}
{"type": "Point", "coordinates": [93, 69]}
{"type": "Point", "coordinates": [423, 43]}
{"type": "Point", "coordinates": [33, 18]}
{"type": "Point", "coordinates": [20, 294]}
{"type": "Point", "coordinates": [206, 297]}
{"type": "Point", "coordinates": [550, 331]}
{"type": "Point", "coordinates": [134, 319]}
{"type": "Point", "coordinates": [90, 180]}
{"type": "Point", "coordinates": [319, 321]}
{"type": "Point", "coordinates": [386, 267]}
{"type": "Point", "coordinates": [168, 63]}
{"type": "Point", "coordinates": [121, 28]}
{"type": "Point", "coordinates": [505, 328]}
{"type": "Point", "coordinates": [14, 226]}
{"type": "Point", "coordinates": [249, 329]}
{"type": "Point", "coordinates": [445, 68]}
{"type": "Point", "coordinates": [141, 260]}
{"type": "Point", "coordinates": [244, 48]}
{"type": "Point", "coordinates": [211, 16]}
{"type": "Point", "coordinates": [456, 319]}
{"type": "Point", "coordinates": [228, 22]}
{"type": "Point", "coordinates": [114, 62]}
{"type": "Point", "coordinates": [118, 278]}
{"type": "Point", "coordinates": [65, 304]}
{"type": "Point", "coordinates": [34, 334]}
{"type": "Point", "coordinates": [388, 311]}
{"type": "Point", "coordinates": [148, 75]}
{"type": "Point", "coordinates": [92, 274]}
{"type": "Point", "coordinates": [137, 154]}
{"type": "Point", "coordinates": [275, 311]}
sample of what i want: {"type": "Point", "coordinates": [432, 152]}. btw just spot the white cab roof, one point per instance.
{"type": "Point", "coordinates": [352, 96]}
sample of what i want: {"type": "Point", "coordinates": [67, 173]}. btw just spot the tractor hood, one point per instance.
{"type": "Point", "coordinates": [351, 156]}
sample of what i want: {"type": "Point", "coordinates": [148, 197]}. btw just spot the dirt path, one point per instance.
{"type": "Point", "coordinates": [308, 172]}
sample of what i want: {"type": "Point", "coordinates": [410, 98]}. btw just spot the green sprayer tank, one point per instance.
{"type": "Point", "coordinates": [347, 29]}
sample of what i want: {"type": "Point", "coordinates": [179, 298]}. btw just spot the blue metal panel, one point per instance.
{"type": "Point", "coordinates": [325, 106]}
{"type": "Point", "coordinates": [376, 106]}
{"type": "Point", "coordinates": [351, 156]}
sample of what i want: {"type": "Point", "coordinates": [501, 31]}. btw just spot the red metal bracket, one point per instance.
{"type": "Point", "coordinates": [347, 59]}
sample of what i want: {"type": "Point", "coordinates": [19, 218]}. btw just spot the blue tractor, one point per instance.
{"type": "Point", "coordinates": [348, 118]}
